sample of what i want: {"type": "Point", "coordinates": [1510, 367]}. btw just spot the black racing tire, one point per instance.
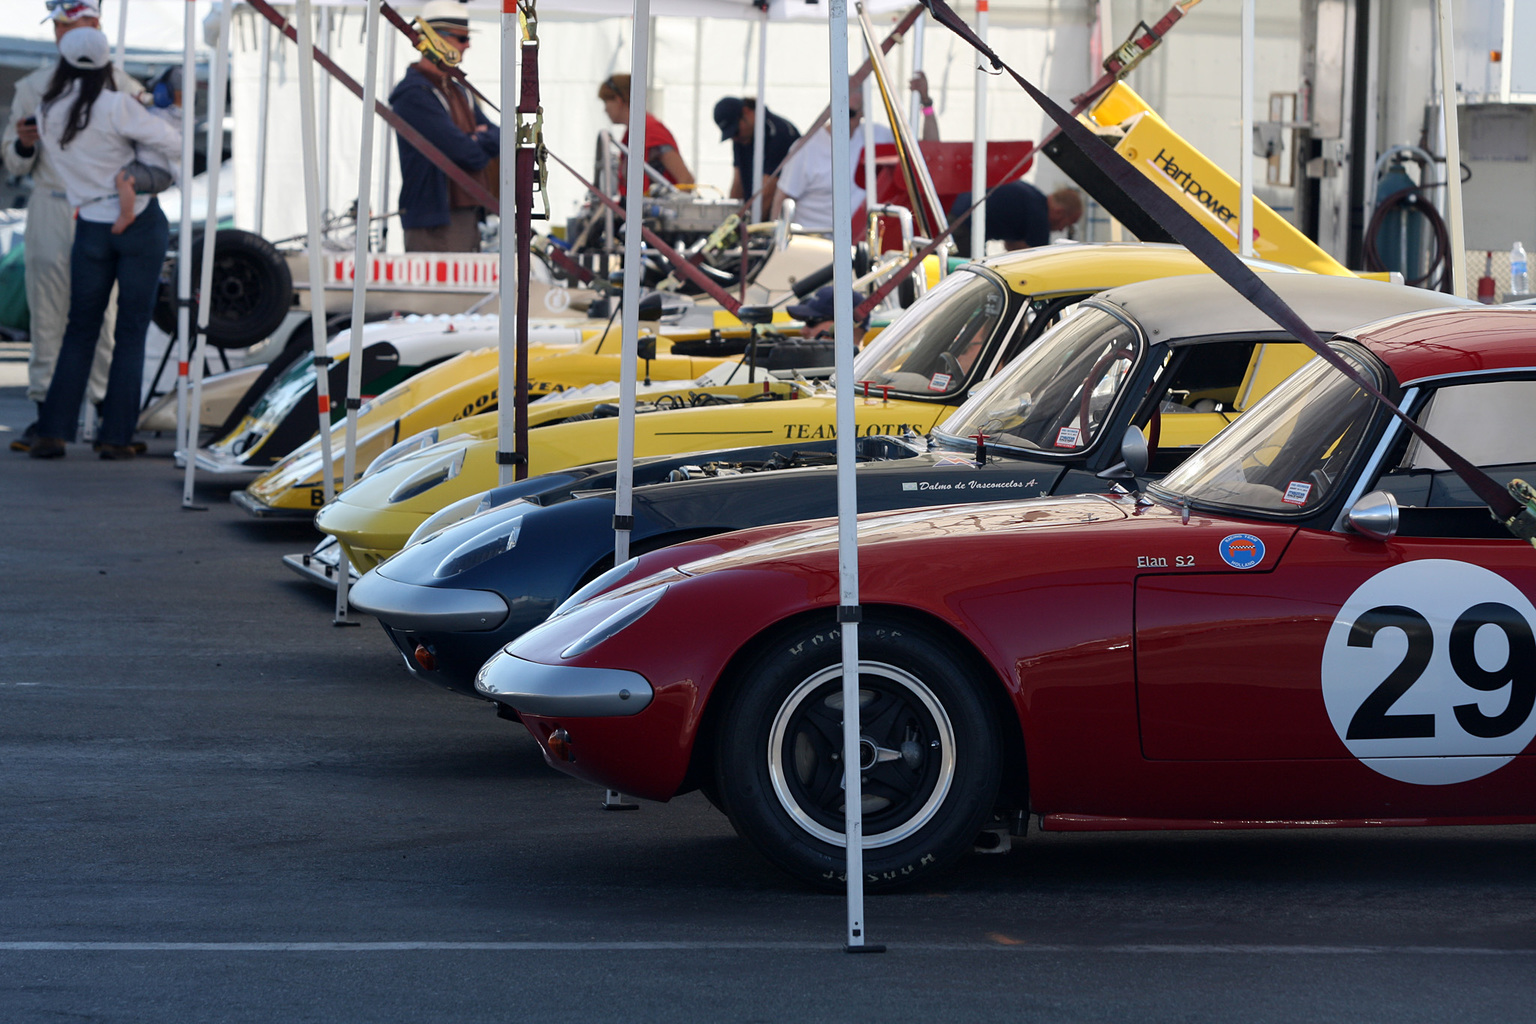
{"type": "Point", "coordinates": [252, 290]}
{"type": "Point", "coordinates": [935, 741]}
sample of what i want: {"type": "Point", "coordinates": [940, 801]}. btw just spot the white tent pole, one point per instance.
{"type": "Point", "coordinates": [847, 495]}
{"type": "Point", "coordinates": [303, 16]}
{"type": "Point", "coordinates": [122, 33]}
{"type": "Point", "coordinates": [760, 119]}
{"type": "Point", "coordinates": [699, 130]}
{"type": "Point", "coordinates": [186, 440]}
{"type": "Point", "coordinates": [216, 100]}
{"type": "Point", "coordinates": [1245, 137]}
{"type": "Point", "coordinates": [634, 186]}
{"type": "Point", "coordinates": [1450, 120]}
{"type": "Point", "coordinates": [1506, 51]}
{"type": "Point", "coordinates": [506, 374]}
{"type": "Point", "coordinates": [386, 142]}
{"type": "Point", "coordinates": [359, 290]}
{"type": "Point", "coordinates": [263, 99]}
{"type": "Point", "coordinates": [324, 115]}
{"type": "Point", "coordinates": [979, 147]}
{"type": "Point", "coordinates": [915, 105]}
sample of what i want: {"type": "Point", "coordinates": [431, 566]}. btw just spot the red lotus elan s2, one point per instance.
{"type": "Point", "coordinates": [1311, 622]}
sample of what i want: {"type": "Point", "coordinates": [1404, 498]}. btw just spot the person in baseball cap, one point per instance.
{"type": "Point", "coordinates": [444, 31]}
{"type": "Point", "coordinates": [816, 313]}
{"type": "Point", "coordinates": [737, 120]}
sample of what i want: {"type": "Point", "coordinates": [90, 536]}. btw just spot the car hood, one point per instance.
{"type": "Point", "coordinates": [818, 538]}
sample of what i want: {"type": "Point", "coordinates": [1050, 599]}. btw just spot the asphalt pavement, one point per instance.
{"type": "Point", "coordinates": [216, 805]}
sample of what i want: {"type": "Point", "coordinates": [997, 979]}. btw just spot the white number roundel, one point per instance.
{"type": "Point", "coordinates": [1429, 672]}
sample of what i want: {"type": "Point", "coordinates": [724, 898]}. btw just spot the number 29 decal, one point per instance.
{"type": "Point", "coordinates": [1429, 672]}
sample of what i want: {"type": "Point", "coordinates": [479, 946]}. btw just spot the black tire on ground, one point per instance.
{"type": "Point", "coordinates": [931, 748]}
{"type": "Point", "coordinates": [252, 290]}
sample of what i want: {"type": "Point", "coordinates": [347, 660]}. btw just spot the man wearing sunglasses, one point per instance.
{"type": "Point", "coordinates": [51, 220]}
{"type": "Point", "coordinates": [438, 214]}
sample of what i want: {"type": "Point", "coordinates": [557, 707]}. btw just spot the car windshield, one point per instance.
{"type": "Point", "coordinates": [1059, 394]}
{"type": "Point", "coordinates": [933, 348]}
{"type": "Point", "coordinates": [1288, 454]}
{"type": "Point", "coordinates": [293, 384]}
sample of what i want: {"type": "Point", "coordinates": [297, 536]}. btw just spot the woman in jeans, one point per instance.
{"type": "Point", "coordinates": [93, 129]}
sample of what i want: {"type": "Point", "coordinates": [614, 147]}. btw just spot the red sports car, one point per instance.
{"type": "Point", "coordinates": [1311, 622]}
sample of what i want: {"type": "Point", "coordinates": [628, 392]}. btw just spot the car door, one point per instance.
{"type": "Point", "coordinates": [1380, 675]}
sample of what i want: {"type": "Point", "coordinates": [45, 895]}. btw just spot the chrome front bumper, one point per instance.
{"type": "Point", "coordinates": [562, 691]}
{"type": "Point", "coordinates": [427, 609]}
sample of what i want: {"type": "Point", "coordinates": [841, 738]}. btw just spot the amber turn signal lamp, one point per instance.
{"type": "Point", "coordinates": [559, 744]}
{"type": "Point", "coordinates": [425, 658]}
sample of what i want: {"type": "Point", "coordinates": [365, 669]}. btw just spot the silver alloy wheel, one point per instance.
{"type": "Point", "coordinates": [794, 753]}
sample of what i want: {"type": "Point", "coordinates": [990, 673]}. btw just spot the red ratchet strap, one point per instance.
{"type": "Point", "coordinates": [476, 190]}
{"type": "Point", "coordinates": [457, 74]}
{"type": "Point", "coordinates": [1115, 68]}
{"type": "Point", "coordinates": [1225, 264]}
{"type": "Point", "coordinates": [678, 260]}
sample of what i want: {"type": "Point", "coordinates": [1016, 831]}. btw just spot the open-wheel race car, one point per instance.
{"type": "Point", "coordinates": [1311, 622]}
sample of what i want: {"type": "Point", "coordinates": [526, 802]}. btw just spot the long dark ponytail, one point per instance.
{"type": "Point", "coordinates": [92, 82]}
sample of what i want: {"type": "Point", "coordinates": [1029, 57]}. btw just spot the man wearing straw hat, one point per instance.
{"type": "Point", "coordinates": [51, 220]}
{"type": "Point", "coordinates": [438, 214]}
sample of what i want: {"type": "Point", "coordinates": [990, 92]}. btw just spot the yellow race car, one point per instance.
{"type": "Point", "coordinates": [909, 379]}
{"type": "Point", "coordinates": [419, 366]}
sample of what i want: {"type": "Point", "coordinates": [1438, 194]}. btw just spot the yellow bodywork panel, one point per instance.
{"type": "Point", "coordinates": [1203, 188]}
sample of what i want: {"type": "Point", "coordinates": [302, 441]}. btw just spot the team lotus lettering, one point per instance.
{"type": "Point", "coordinates": [806, 432]}
{"type": "Point", "coordinates": [478, 270]}
{"type": "Point", "coordinates": [1186, 180]}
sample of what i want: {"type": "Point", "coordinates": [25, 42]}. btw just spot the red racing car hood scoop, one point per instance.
{"type": "Point", "coordinates": [819, 536]}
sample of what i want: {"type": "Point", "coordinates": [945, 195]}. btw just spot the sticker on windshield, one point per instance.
{"type": "Point", "coordinates": [1296, 492]}
{"type": "Point", "coordinates": [939, 382]}
{"type": "Point", "coordinates": [1429, 672]}
{"type": "Point", "coordinates": [1069, 437]}
{"type": "Point", "coordinates": [1241, 550]}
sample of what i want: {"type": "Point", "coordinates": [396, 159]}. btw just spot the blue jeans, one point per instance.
{"type": "Point", "coordinates": [99, 260]}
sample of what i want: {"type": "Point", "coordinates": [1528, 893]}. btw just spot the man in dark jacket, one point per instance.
{"type": "Point", "coordinates": [737, 121]}
{"type": "Point", "coordinates": [439, 214]}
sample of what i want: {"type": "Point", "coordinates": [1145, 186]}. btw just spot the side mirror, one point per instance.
{"type": "Point", "coordinates": [1134, 457]}
{"type": "Point", "coordinates": [1375, 516]}
{"type": "Point", "coordinates": [645, 346]}
{"type": "Point", "coordinates": [755, 314]}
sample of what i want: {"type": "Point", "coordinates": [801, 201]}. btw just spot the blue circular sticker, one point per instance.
{"type": "Point", "coordinates": [1241, 550]}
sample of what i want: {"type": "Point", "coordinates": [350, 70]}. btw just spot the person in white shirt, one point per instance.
{"type": "Point", "coordinates": [808, 177]}
{"type": "Point", "coordinates": [91, 130]}
{"type": "Point", "coordinates": [50, 221]}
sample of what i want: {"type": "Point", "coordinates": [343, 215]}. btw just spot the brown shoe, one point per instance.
{"type": "Point", "coordinates": [24, 442]}
{"type": "Point", "coordinates": [139, 447]}
{"type": "Point", "coordinates": [116, 452]}
{"type": "Point", "coordinates": [46, 448]}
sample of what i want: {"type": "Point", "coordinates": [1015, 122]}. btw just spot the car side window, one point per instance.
{"type": "Point", "coordinates": [1493, 424]}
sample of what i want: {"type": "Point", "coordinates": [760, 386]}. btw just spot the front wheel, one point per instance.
{"type": "Point", "coordinates": [930, 755]}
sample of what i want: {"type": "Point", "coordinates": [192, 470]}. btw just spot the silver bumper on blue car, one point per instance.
{"type": "Point", "coordinates": [427, 609]}
{"type": "Point", "coordinates": [562, 691]}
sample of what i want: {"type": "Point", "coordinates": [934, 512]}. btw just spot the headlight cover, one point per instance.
{"type": "Point", "coordinates": [437, 472]}
{"type": "Point", "coordinates": [628, 614]}
{"type": "Point", "coordinates": [604, 582]}
{"type": "Point", "coordinates": [400, 449]}
{"type": "Point", "coordinates": [482, 547]}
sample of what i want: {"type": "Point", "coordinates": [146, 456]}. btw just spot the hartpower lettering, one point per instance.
{"type": "Point", "coordinates": [1186, 180]}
